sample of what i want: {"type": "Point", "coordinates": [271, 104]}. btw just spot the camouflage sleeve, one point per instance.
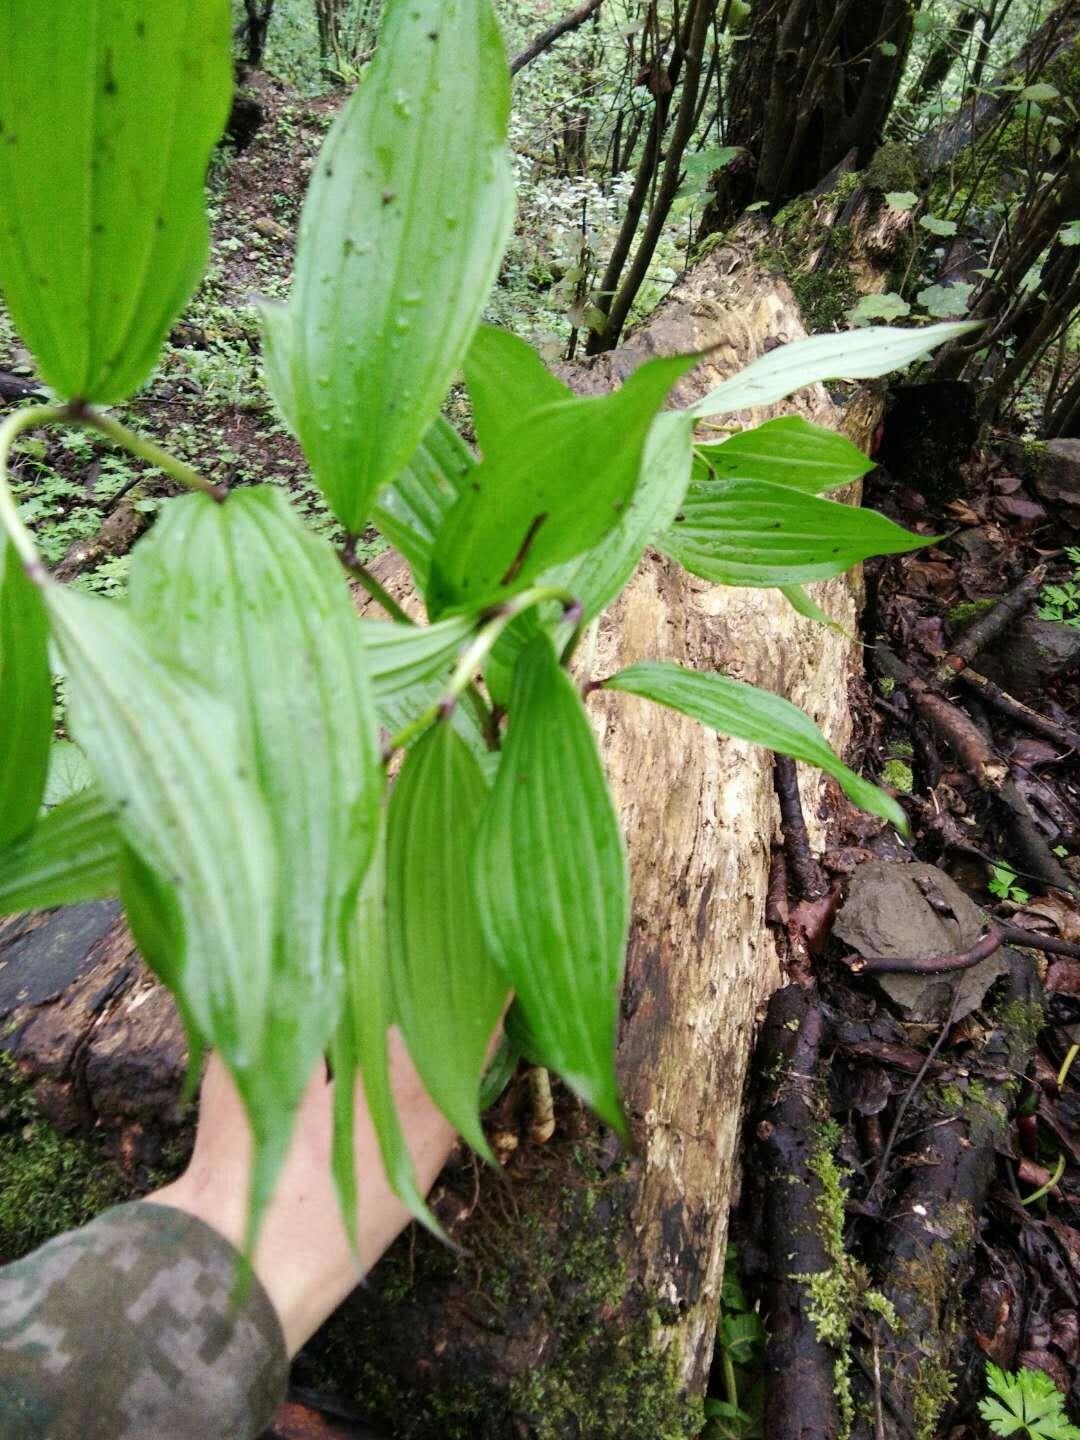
{"type": "Point", "coordinates": [127, 1330]}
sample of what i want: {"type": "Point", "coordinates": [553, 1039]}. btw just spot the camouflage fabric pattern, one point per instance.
{"type": "Point", "coordinates": [127, 1330]}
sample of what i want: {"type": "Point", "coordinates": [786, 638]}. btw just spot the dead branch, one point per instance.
{"type": "Point", "coordinates": [544, 41]}
{"type": "Point", "coordinates": [808, 874]}
{"type": "Point", "coordinates": [927, 964]}
{"type": "Point", "coordinates": [799, 1367]}
{"type": "Point", "coordinates": [988, 627]}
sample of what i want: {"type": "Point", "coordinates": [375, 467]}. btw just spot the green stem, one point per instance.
{"type": "Point", "coordinates": [364, 577]}
{"type": "Point", "coordinates": [1059, 1170]}
{"type": "Point", "coordinates": [10, 519]}
{"type": "Point", "coordinates": [474, 656]}
{"type": "Point", "coordinates": [731, 1388]}
{"type": "Point", "coordinates": [378, 592]}
{"type": "Point", "coordinates": [145, 449]}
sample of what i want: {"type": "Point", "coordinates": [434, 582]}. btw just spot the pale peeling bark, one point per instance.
{"type": "Point", "coordinates": [699, 814]}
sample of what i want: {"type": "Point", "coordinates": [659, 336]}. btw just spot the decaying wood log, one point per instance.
{"type": "Point", "coordinates": [586, 1299]}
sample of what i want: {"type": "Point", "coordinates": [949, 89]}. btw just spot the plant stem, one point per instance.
{"type": "Point", "coordinates": [145, 449]}
{"type": "Point", "coordinates": [474, 656]}
{"type": "Point", "coordinates": [378, 592]}
{"type": "Point", "coordinates": [10, 519]}
{"type": "Point", "coordinates": [731, 1388]}
{"type": "Point", "coordinates": [360, 573]}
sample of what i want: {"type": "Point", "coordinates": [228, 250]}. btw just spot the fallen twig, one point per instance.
{"type": "Point", "coordinates": [1033, 940]}
{"type": "Point", "coordinates": [799, 1366]}
{"type": "Point", "coordinates": [808, 874]}
{"type": "Point", "coordinates": [927, 964]}
{"type": "Point", "coordinates": [988, 627]}
{"type": "Point", "coordinates": [993, 695]}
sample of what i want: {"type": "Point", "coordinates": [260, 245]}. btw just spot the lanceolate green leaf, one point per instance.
{"type": "Point", "coordinates": [360, 1046]}
{"type": "Point", "coordinates": [448, 990]}
{"type": "Point", "coordinates": [410, 511]}
{"type": "Point", "coordinates": [803, 605]}
{"type": "Point", "coordinates": [25, 696]}
{"type": "Point", "coordinates": [549, 489]}
{"type": "Point", "coordinates": [401, 236]}
{"type": "Point", "coordinates": [748, 532]}
{"type": "Point", "coordinates": [409, 662]}
{"type": "Point", "coordinates": [789, 451]}
{"type": "Point", "coordinates": [108, 112]}
{"type": "Point", "coordinates": [174, 765]}
{"type": "Point", "coordinates": [70, 855]}
{"type": "Point", "coordinates": [552, 880]}
{"type": "Point", "coordinates": [735, 708]}
{"type": "Point", "coordinates": [507, 380]}
{"type": "Point", "coordinates": [854, 355]}
{"type": "Point", "coordinates": [598, 577]}
{"type": "Point", "coordinates": [247, 598]}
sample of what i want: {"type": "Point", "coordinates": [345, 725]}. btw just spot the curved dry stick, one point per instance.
{"type": "Point", "coordinates": [927, 964]}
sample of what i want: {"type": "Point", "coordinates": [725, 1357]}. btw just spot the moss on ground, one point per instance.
{"type": "Point", "coordinates": [600, 1375]}
{"type": "Point", "coordinates": [898, 775]}
{"type": "Point", "coordinates": [49, 1182]}
{"type": "Point", "coordinates": [841, 1294]}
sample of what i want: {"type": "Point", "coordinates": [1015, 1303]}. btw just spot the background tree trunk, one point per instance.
{"type": "Point", "coordinates": [811, 83]}
{"type": "Point", "coordinates": [257, 16]}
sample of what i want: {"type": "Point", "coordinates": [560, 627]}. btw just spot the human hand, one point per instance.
{"type": "Point", "coordinates": [303, 1257]}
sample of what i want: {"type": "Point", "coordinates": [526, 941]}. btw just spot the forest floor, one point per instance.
{"type": "Point", "coordinates": [910, 1064]}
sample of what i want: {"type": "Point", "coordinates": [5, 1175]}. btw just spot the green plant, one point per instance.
{"type": "Point", "coordinates": [740, 1343]}
{"type": "Point", "coordinates": [230, 706]}
{"type": "Point", "coordinates": [1002, 883]}
{"type": "Point", "coordinates": [1026, 1403]}
{"type": "Point", "coordinates": [1062, 602]}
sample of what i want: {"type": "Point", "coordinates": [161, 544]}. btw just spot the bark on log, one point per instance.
{"type": "Point", "coordinates": [586, 1300]}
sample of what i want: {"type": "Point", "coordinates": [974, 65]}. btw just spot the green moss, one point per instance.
{"type": "Point", "coordinates": [1023, 1019]}
{"type": "Point", "coordinates": [932, 1280]}
{"type": "Point", "coordinates": [838, 1296]}
{"type": "Point", "coordinates": [892, 167]}
{"type": "Point", "coordinates": [898, 775]}
{"type": "Point", "coordinates": [49, 1182]}
{"type": "Point", "coordinates": [828, 291]}
{"type": "Point", "coordinates": [933, 1394]}
{"type": "Point", "coordinates": [962, 615]}
{"type": "Point", "coordinates": [825, 294]}
{"type": "Point", "coordinates": [532, 1268]}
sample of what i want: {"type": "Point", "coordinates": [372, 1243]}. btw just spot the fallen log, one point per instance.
{"type": "Point", "coordinates": [586, 1298]}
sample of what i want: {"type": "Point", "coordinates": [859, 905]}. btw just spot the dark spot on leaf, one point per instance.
{"type": "Point", "coordinates": [679, 518]}
{"type": "Point", "coordinates": [433, 35]}
{"type": "Point", "coordinates": [140, 29]}
{"type": "Point", "coordinates": [329, 172]}
{"type": "Point", "coordinates": [387, 196]}
{"type": "Point", "coordinates": [160, 222]}
{"type": "Point", "coordinates": [99, 228]}
{"type": "Point", "coordinates": [476, 487]}
{"type": "Point", "coordinates": [347, 246]}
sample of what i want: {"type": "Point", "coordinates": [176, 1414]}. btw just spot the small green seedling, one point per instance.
{"type": "Point", "coordinates": [1026, 1403]}
{"type": "Point", "coordinates": [1002, 883]}
{"type": "Point", "coordinates": [1062, 602]}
